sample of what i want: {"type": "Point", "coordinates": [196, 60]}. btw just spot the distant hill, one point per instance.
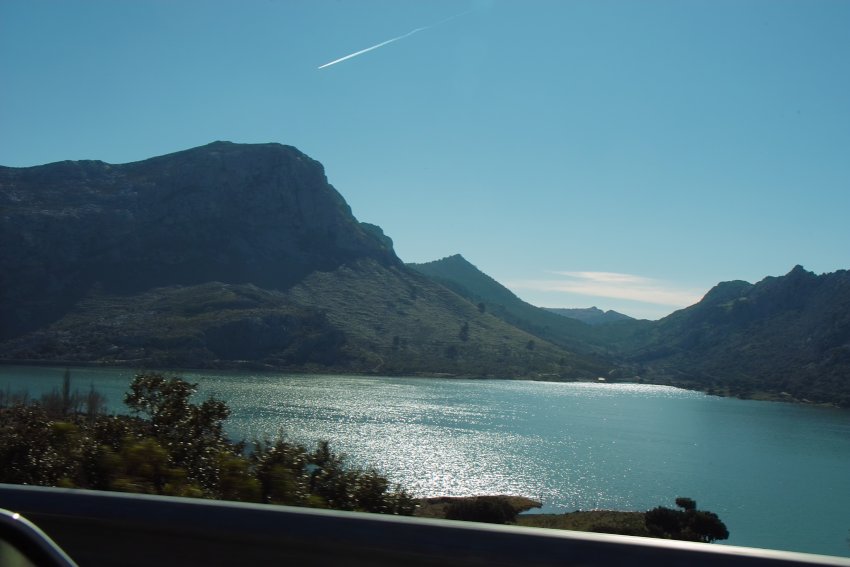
{"type": "Point", "coordinates": [786, 336]}
{"type": "Point", "coordinates": [590, 315]}
{"type": "Point", "coordinates": [243, 256]}
{"type": "Point", "coordinates": [231, 255]}
{"type": "Point", "coordinates": [457, 274]}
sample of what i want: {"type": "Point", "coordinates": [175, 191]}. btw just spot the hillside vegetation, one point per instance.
{"type": "Point", "coordinates": [784, 338]}
{"type": "Point", "coordinates": [459, 275]}
{"type": "Point", "coordinates": [400, 322]}
{"type": "Point", "coordinates": [373, 319]}
{"type": "Point", "coordinates": [244, 256]}
{"type": "Point", "coordinates": [232, 255]}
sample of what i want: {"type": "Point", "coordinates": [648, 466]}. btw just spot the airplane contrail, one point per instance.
{"type": "Point", "coordinates": [383, 43]}
{"type": "Point", "coordinates": [362, 51]}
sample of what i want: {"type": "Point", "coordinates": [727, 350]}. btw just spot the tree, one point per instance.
{"type": "Point", "coordinates": [345, 488]}
{"type": "Point", "coordinates": [95, 403]}
{"type": "Point", "coordinates": [687, 524]}
{"type": "Point", "coordinates": [464, 332]}
{"type": "Point", "coordinates": [193, 434]}
{"type": "Point", "coordinates": [281, 468]}
{"type": "Point", "coordinates": [66, 392]}
{"type": "Point", "coordinates": [173, 446]}
{"type": "Point", "coordinates": [706, 526]}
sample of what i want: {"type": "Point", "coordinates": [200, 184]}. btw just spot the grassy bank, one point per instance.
{"type": "Point", "coordinates": [686, 523]}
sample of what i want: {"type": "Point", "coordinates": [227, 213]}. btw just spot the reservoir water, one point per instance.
{"type": "Point", "coordinates": [777, 474]}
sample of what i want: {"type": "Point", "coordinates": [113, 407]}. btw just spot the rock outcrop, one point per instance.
{"type": "Point", "coordinates": [234, 213]}
{"type": "Point", "coordinates": [230, 256]}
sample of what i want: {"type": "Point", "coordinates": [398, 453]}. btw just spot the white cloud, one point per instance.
{"type": "Point", "coordinates": [614, 285]}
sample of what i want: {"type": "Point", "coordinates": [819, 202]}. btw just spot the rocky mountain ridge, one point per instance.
{"type": "Point", "coordinates": [785, 337]}
{"type": "Point", "coordinates": [789, 335]}
{"type": "Point", "coordinates": [230, 255]}
{"type": "Point", "coordinates": [590, 315]}
{"type": "Point", "coordinates": [262, 214]}
{"type": "Point", "coordinates": [233, 255]}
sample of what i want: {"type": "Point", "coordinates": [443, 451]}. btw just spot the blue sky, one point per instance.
{"type": "Point", "coordinates": [623, 154]}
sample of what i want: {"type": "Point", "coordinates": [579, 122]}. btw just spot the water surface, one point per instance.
{"type": "Point", "coordinates": [776, 473]}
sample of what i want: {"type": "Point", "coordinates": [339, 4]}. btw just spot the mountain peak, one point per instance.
{"type": "Point", "coordinates": [223, 150]}
{"type": "Point", "coordinates": [453, 259]}
{"type": "Point", "coordinates": [234, 213]}
{"type": "Point", "coordinates": [726, 291]}
{"type": "Point", "coordinates": [800, 271]}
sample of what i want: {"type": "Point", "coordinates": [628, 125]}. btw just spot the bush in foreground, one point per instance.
{"type": "Point", "coordinates": [171, 446]}
{"type": "Point", "coordinates": [688, 524]}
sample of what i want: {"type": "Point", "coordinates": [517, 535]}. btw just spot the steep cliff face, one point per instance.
{"type": "Point", "coordinates": [229, 256]}
{"type": "Point", "coordinates": [262, 214]}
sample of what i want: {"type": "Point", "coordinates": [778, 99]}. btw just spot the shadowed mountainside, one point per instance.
{"type": "Point", "coordinates": [262, 214]}
{"type": "Point", "coordinates": [788, 336]}
{"type": "Point", "coordinates": [231, 255]}
{"type": "Point", "coordinates": [785, 337]}
{"type": "Point", "coordinates": [239, 255]}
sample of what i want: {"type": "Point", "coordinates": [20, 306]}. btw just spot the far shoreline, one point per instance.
{"type": "Point", "coordinates": [250, 366]}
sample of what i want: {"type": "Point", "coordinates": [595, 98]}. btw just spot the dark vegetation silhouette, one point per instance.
{"type": "Point", "coordinates": [487, 509]}
{"type": "Point", "coordinates": [687, 524]}
{"type": "Point", "coordinates": [170, 445]}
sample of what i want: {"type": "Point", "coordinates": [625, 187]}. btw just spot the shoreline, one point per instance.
{"type": "Point", "coordinates": [247, 366]}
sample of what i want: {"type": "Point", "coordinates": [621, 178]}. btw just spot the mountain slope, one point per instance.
{"type": "Point", "coordinates": [410, 324]}
{"type": "Point", "coordinates": [261, 214]}
{"type": "Point", "coordinates": [787, 336]}
{"type": "Point", "coordinates": [783, 338]}
{"type": "Point", "coordinates": [456, 273]}
{"type": "Point", "coordinates": [230, 255]}
{"type": "Point", "coordinates": [361, 317]}
{"type": "Point", "coordinates": [236, 255]}
{"type": "Point", "coordinates": [590, 315]}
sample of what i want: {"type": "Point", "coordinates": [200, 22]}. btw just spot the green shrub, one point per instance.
{"type": "Point", "coordinates": [172, 446]}
{"type": "Point", "coordinates": [688, 524]}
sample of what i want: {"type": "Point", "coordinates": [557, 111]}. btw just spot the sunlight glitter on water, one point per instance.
{"type": "Point", "coordinates": [570, 445]}
{"type": "Point", "coordinates": [455, 439]}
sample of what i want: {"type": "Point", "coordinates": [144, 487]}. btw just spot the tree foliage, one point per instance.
{"type": "Point", "coordinates": [687, 524]}
{"type": "Point", "coordinates": [171, 445]}
{"type": "Point", "coordinates": [193, 434]}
